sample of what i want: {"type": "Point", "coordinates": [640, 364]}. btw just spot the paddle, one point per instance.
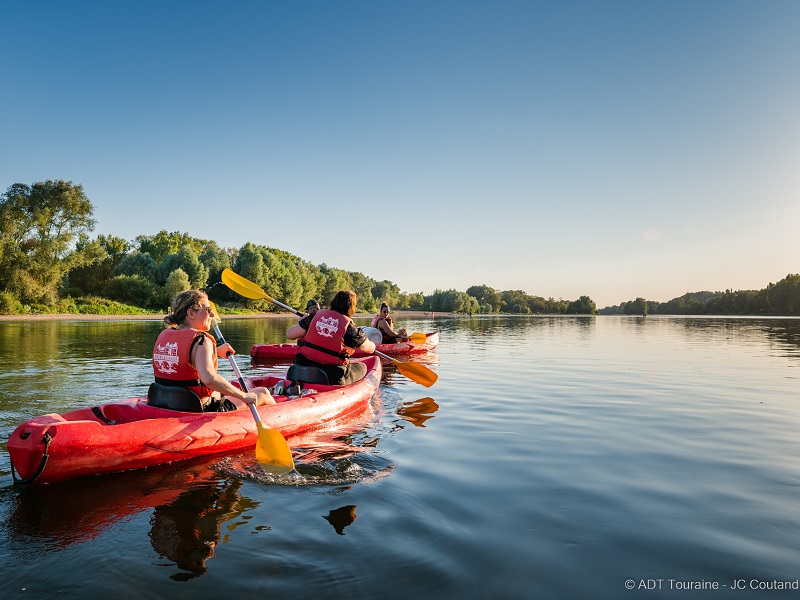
{"type": "Point", "coordinates": [415, 371]}
{"type": "Point", "coordinates": [271, 447]}
{"type": "Point", "coordinates": [248, 289]}
{"type": "Point", "coordinates": [417, 338]}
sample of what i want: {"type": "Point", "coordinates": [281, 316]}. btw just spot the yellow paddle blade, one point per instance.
{"type": "Point", "coordinates": [243, 287]}
{"type": "Point", "coordinates": [217, 317]}
{"type": "Point", "coordinates": [417, 372]}
{"type": "Point", "coordinates": [272, 450]}
{"type": "Point", "coordinates": [414, 338]}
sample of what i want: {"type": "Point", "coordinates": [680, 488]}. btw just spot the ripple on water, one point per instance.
{"type": "Point", "coordinates": [360, 467]}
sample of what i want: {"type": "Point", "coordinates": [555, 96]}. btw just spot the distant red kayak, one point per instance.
{"type": "Point", "coordinates": [130, 434]}
{"type": "Point", "coordinates": [288, 351]}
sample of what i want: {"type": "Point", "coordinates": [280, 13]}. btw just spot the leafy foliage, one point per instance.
{"type": "Point", "coordinates": [47, 258]}
{"type": "Point", "coordinates": [777, 299]}
{"type": "Point", "coordinates": [40, 226]}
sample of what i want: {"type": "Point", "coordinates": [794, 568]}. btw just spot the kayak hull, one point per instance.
{"type": "Point", "coordinates": [289, 351]}
{"type": "Point", "coordinates": [130, 434]}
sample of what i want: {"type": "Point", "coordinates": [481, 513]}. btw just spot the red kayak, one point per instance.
{"type": "Point", "coordinates": [288, 351]}
{"type": "Point", "coordinates": [130, 434]}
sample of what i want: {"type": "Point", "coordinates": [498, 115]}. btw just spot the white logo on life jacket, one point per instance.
{"type": "Point", "coordinates": [327, 326]}
{"type": "Point", "coordinates": [165, 358]}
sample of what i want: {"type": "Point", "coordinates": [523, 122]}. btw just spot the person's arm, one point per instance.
{"type": "Point", "coordinates": [298, 330]}
{"type": "Point", "coordinates": [368, 347]}
{"type": "Point", "coordinates": [389, 332]}
{"type": "Point", "coordinates": [295, 332]}
{"type": "Point", "coordinates": [204, 363]}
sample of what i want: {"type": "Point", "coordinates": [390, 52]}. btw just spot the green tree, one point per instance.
{"type": "Point", "coordinates": [187, 259]}
{"type": "Point", "coordinates": [162, 244]}
{"type": "Point", "coordinates": [386, 291]}
{"type": "Point", "coordinates": [135, 290]}
{"type": "Point", "coordinates": [216, 260]}
{"type": "Point", "coordinates": [90, 279]}
{"type": "Point", "coordinates": [363, 285]}
{"type": "Point", "coordinates": [177, 282]}
{"type": "Point", "coordinates": [784, 297]}
{"type": "Point", "coordinates": [137, 263]}
{"type": "Point", "coordinates": [39, 227]}
{"type": "Point", "coordinates": [636, 307]}
{"type": "Point", "coordinates": [335, 280]}
{"type": "Point", "coordinates": [485, 295]}
{"type": "Point", "coordinates": [582, 306]}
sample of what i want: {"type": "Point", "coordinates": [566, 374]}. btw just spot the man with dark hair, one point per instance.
{"type": "Point", "coordinates": [328, 339]}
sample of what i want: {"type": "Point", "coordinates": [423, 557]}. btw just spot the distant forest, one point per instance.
{"type": "Point", "coordinates": [777, 299]}
{"type": "Point", "coordinates": [50, 264]}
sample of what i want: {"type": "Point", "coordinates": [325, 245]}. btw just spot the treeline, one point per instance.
{"type": "Point", "coordinates": [49, 263]}
{"type": "Point", "coordinates": [777, 299]}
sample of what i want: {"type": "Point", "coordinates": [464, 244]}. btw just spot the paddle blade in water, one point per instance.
{"type": "Point", "coordinates": [419, 373]}
{"type": "Point", "coordinates": [272, 451]}
{"type": "Point", "coordinates": [243, 287]}
{"type": "Point", "coordinates": [417, 338]}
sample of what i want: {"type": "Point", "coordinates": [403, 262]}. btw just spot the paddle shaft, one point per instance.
{"type": "Point", "coordinates": [221, 341]}
{"type": "Point", "coordinates": [248, 289]}
{"type": "Point", "coordinates": [387, 357]}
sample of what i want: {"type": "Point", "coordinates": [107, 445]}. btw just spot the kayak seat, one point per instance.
{"type": "Point", "coordinates": [173, 397]}
{"type": "Point", "coordinates": [306, 374]}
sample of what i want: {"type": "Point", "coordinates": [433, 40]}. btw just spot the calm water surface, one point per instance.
{"type": "Point", "coordinates": [556, 457]}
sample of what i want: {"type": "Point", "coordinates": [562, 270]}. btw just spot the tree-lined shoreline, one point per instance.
{"type": "Point", "coordinates": [50, 265]}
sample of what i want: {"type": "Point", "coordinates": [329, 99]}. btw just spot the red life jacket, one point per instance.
{"type": "Point", "coordinates": [172, 363]}
{"type": "Point", "coordinates": [324, 340]}
{"type": "Point", "coordinates": [377, 319]}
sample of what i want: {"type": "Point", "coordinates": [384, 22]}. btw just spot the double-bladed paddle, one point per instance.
{"type": "Point", "coordinates": [248, 289]}
{"type": "Point", "coordinates": [271, 447]}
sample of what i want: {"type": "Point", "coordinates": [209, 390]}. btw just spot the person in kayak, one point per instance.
{"type": "Point", "coordinates": [185, 355]}
{"type": "Point", "coordinates": [329, 338]}
{"type": "Point", "coordinates": [383, 323]}
{"type": "Point", "coordinates": [312, 306]}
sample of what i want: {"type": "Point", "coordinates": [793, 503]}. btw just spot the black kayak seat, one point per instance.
{"type": "Point", "coordinates": [307, 374]}
{"type": "Point", "coordinates": [173, 397]}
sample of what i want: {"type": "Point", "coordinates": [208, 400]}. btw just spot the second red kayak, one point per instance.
{"type": "Point", "coordinates": [288, 351]}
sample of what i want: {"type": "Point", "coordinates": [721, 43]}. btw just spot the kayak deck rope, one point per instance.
{"type": "Point", "coordinates": [99, 414]}
{"type": "Point", "coordinates": [46, 439]}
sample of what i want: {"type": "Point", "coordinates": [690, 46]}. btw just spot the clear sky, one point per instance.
{"type": "Point", "coordinates": [611, 149]}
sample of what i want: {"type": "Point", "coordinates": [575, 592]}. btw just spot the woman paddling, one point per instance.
{"type": "Point", "coordinates": [185, 355]}
{"type": "Point", "coordinates": [383, 323]}
{"type": "Point", "coordinates": [329, 338]}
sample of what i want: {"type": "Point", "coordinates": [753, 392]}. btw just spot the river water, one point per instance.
{"type": "Point", "coordinates": [556, 457]}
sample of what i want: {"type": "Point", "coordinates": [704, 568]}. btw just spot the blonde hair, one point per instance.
{"type": "Point", "coordinates": [190, 299]}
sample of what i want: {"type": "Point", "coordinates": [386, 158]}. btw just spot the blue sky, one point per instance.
{"type": "Point", "coordinates": [612, 149]}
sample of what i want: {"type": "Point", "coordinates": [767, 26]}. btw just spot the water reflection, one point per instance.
{"type": "Point", "coordinates": [340, 454]}
{"type": "Point", "coordinates": [187, 530]}
{"type": "Point", "coordinates": [341, 517]}
{"type": "Point", "coordinates": [52, 517]}
{"type": "Point", "coordinates": [418, 411]}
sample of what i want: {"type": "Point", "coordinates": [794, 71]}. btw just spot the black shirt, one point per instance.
{"type": "Point", "coordinates": [353, 336]}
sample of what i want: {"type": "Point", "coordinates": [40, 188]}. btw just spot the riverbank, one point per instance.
{"type": "Point", "coordinates": [81, 317]}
